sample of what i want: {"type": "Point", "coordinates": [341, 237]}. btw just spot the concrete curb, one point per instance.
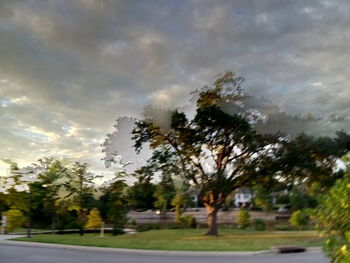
{"type": "Point", "coordinates": [133, 251]}
{"type": "Point", "coordinates": [141, 251]}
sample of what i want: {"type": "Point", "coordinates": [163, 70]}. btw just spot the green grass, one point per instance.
{"type": "Point", "coordinates": [187, 239]}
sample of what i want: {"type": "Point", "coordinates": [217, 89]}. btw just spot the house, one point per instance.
{"type": "Point", "coordinates": [194, 195]}
{"type": "Point", "coordinates": [243, 197]}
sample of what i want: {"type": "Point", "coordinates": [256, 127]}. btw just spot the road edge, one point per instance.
{"type": "Point", "coordinates": [142, 251]}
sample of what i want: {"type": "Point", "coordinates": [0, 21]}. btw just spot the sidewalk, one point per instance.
{"type": "Point", "coordinates": [5, 237]}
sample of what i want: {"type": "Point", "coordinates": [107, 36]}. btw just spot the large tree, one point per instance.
{"type": "Point", "coordinates": [216, 150]}
{"type": "Point", "coordinates": [235, 140]}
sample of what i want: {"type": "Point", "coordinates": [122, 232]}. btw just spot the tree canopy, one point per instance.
{"type": "Point", "coordinates": [217, 151]}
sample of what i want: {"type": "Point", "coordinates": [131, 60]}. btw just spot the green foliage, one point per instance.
{"type": "Point", "coordinates": [141, 195]}
{"type": "Point", "coordinates": [133, 222]}
{"type": "Point", "coordinates": [188, 221]}
{"type": "Point", "coordinates": [220, 131]}
{"type": "Point", "coordinates": [300, 199]}
{"type": "Point", "coordinates": [283, 199]}
{"type": "Point", "coordinates": [80, 189]}
{"type": "Point", "coordinates": [243, 218]}
{"type": "Point", "coordinates": [117, 231]}
{"type": "Point", "coordinates": [147, 227]}
{"type": "Point", "coordinates": [18, 199]}
{"type": "Point", "coordinates": [259, 224]}
{"type": "Point", "coordinates": [311, 159]}
{"type": "Point", "coordinates": [334, 218]}
{"type": "Point", "coordinates": [299, 219]}
{"type": "Point", "coordinates": [179, 201]}
{"type": "Point", "coordinates": [262, 199]}
{"type": "Point", "coordinates": [3, 204]}
{"type": "Point", "coordinates": [94, 219]}
{"type": "Point", "coordinates": [65, 217]}
{"type": "Point", "coordinates": [15, 219]}
{"type": "Point", "coordinates": [164, 194]}
{"type": "Point", "coordinates": [161, 201]}
{"type": "Point", "coordinates": [116, 196]}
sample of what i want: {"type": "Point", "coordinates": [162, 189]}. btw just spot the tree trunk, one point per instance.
{"type": "Point", "coordinates": [212, 221]}
{"type": "Point", "coordinates": [82, 222]}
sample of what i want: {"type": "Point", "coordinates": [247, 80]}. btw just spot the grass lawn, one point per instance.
{"type": "Point", "coordinates": [187, 239]}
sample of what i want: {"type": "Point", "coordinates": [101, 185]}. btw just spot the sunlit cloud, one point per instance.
{"type": "Point", "coordinates": [68, 69]}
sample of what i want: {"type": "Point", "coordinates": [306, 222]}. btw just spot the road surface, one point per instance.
{"type": "Point", "coordinates": [14, 253]}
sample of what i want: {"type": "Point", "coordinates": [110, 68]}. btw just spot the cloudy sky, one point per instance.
{"type": "Point", "coordinates": [69, 68]}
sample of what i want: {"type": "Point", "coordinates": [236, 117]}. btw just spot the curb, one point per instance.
{"type": "Point", "coordinates": [134, 251]}
{"type": "Point", "coordinates": [144, 252]}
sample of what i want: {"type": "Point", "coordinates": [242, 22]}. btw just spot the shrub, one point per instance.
{"type": "Point", "coordinates": [147, 227]}
{"type": "Point", "coordinates": [133, 222]}
{"type": "Point", "coordinates": [243, 219]}
{"type": "Point", "coordinates": [283, 199]}
{"type": "Point", "coordinates": [334, 219]}
{"type": "Point", "coordinates": [188, 221]}
{"type": "Point", "coordinates": [15, 219]}
{"type": "Point", "coordinates": [259, 224]}
{"type": "Point", "coordinates": [94, 219]}
{"type": "Point", "coordinates": [117, 231]}
{"type": "Point", "coordinates": [299, 219]}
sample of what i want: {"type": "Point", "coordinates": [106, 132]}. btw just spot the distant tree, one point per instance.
{"type": "Point", "coordinates": [283, 199]}
{"type": "Point", "coordinates": [141, 193]}
{"type": "Point", "coordinates": [300, 199]}
{"type": "Point", "coordinates": [262, 199]}
{"type": "Point", "coordinates": [94, 219]}
{"type": "Point", "coordinates": [48, 188]}
{"type": "Point", "coordinates": [116, 196]}
{"type": "Point", "coordinates": [164, 194]}
{"type": "Point", "coordinates": [80, 188]}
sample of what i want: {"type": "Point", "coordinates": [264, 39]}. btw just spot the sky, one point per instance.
{"type": "Point", "coordinates": [70, 68]}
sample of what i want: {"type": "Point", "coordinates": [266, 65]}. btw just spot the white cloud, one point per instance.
{"type": "Point", "coordinates": [68, 69]}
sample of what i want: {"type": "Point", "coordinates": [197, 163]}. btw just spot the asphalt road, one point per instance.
{"type": "Point", "coordinates": [12, 253]}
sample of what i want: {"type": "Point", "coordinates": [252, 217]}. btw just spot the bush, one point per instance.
{"type": "Point", "coordinates": [188, 221]}
{"type": "Point", "coordinates": [243, 219]}
{"type": "Point", "coordinates": [147, 227]}
{"type": "Point", "coordinates": [15, 219]}
{"type": "Point", "coordinates": [334, 219]}
{"type": "Point", "coordinates": [299, 219]}
{"type": "Point", "coordinates": [133, 222]}
{"type": "Point", "coordinates": [283, 227]}
{"type": "Point", "coordinates": [283, 199]}
{"type": "Point", "coordinates": [117, 231]}
{"type": "Point", "coordinates": [259, 224]}
{"type": "Point", "coordinates": [94, 219]}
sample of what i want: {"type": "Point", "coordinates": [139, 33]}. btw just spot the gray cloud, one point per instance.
{"type": "Point", "coordinates": [68, 69]}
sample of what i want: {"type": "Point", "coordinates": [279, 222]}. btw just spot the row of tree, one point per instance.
{"type": "Point", "coordinates": [51, 192]}
{"type": "Point", "coordinates": [61, 194]}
